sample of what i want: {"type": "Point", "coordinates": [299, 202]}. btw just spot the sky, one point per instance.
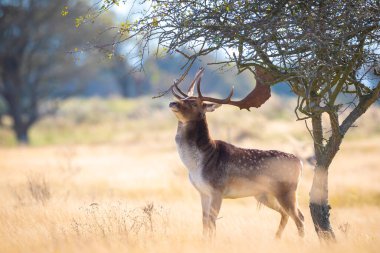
{"type": "Point", "coordinates": [124, 8]}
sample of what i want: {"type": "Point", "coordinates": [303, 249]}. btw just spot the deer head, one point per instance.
{"type": "Point", "coordinates": [189, 107]}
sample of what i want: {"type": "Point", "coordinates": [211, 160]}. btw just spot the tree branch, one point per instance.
{"type": "Point", "coordinates": [365, 102]}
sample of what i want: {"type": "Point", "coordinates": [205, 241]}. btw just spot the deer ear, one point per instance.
{"type": "Point", "coordinates": [210, 107]}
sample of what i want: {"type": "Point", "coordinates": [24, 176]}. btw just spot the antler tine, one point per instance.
{"type": "Point", "coordinates": [178, 93]}
{"type": "Point", "coordinates": [175, 94]}
{"type": "Point", "coordinates": [227, 100]}
{"type": "Point", "coordinates": [175, 85]}
{"type": "Point", "coordinates": [198, 76]}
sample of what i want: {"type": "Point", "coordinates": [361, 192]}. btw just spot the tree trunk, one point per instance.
{"type": "Point", "coordinates": [22, 134]}
{"type": "Point", "coordinates": [319, 207]}
{"type": "Point", "coordinates": [23, 115]}
{"type": "Point", "coordinates": [325, 153]}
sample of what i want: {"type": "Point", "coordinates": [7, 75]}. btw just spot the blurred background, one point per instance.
{"type": "Point", "coordinates": [49, 57]}
{"type": "Point", "coordinates": [88, 160]}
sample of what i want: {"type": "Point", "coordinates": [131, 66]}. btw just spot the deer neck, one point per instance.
{"type": "Point", "coordinates": [194, 142]}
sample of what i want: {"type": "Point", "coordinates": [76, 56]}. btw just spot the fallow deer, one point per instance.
{"type": "Point", "coordinates": [220, 170]}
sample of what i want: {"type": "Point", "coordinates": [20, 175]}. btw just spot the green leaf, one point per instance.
{"type": "Point", "coordinates": [125, 26]}
{"type": "Point", "coordinates": [65, 11]}
{"type": "Point", "coordinates": [78, 21]}
{"type": "Point", "coordinates": [155, 22]}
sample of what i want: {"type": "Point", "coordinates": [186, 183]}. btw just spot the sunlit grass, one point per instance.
{"type": "Point", "coordinates": [354, 197]}
{"type": "Point", "coordinates": [97, 193]}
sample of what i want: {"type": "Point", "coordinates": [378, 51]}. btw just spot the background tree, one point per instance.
{"type": "Point", "coordinates": [36, 37]}
{"type": "Point", "coordinates": [322, 49]}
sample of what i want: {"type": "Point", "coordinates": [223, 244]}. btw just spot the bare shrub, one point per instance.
{"type": "Point", "coordinates": [119, 221]}
{"type": "Point", "coordinates": [149, 210]}
{"type": "Point", "coordinates": [34, 190]}
{"type": "Point", "coordinates": [344, 228]}
{"type": "Point", "coordinates": [39, 189]}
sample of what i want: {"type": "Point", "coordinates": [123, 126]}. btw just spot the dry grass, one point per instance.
{"type": "Point", "coordinates": [133, 195]}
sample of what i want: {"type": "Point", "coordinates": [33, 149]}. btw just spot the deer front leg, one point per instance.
{"type": "Point", "coordinates": [205, 199]}
{"type": "Point", "coordinates": [216, 203]}
{"type": "Point", "coordinates": [210, 208]}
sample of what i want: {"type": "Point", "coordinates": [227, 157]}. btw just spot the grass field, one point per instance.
{"type": "Point", "coordinates": [104, 176]}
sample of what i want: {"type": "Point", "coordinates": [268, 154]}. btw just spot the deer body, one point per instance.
{"type": "Point", "coordinates": [235, 172]}
{"type": "Point", "coordinates": [220, 170]}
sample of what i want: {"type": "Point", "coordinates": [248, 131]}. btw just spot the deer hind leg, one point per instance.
{"type": "Point", "coordinates": [288, 201]}
{"type": "Point", "coordinates": [271, 202]}
{"type": "Point", "coordinates": [210, 208]}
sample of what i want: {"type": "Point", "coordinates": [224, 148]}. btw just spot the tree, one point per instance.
{"type": "Point", "coordinates": [322, 49]}
{"type": "Point", "coordinates": [129, 82]}
{"type": "Point", "coordinates": [36, 37]}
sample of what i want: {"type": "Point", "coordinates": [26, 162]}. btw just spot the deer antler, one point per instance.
{"type": "Point", "coordinates": [175, 93]}
{"type": "Point", "coordinates": [258, 96]}
{"type": "Point", "coordinates": [197, 78]}
{"type": "Point", "coordinates": [178, 93]}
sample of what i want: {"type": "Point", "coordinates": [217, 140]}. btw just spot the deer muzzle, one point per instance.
{"type": "Point", "coordinates": [174, 106]}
